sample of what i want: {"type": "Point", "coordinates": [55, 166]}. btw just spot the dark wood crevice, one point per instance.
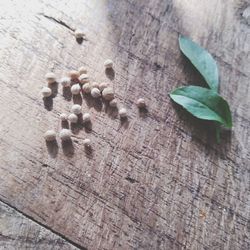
{"type": "Point", "coordinates": [39, 223]}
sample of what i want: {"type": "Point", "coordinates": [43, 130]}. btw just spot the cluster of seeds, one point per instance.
{"type": "Point", "coordinates": [78, 81]}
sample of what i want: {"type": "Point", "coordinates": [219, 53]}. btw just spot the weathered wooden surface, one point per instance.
{"type": "Point", "coordinates": [18, 232]}
{"type": "Point", "coordinates": [156, 182]}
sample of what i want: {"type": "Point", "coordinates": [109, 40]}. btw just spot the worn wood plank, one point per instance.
{"type": "Point", "coordinates": [19, 232]}
{"type": "Point", "coordinates": [156, 182]}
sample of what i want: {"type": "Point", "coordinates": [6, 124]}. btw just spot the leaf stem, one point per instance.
{"type": "Point", "coordinates": [217, 133]}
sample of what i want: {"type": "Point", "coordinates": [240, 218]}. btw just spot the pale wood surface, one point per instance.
{"type": "Point", "coordinates": [18, 232]}
{"type": "Point", "coordinates": [158, 181]}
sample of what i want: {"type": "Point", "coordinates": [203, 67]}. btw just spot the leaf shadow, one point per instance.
{"type": "Point", "coordinates": [191, 74]}
{"type": "Point", "coordinates": [202, 131]}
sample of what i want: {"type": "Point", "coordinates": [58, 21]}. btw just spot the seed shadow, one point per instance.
{"type": "Point", "coordinates": [88, 99]}
{"type": "Point", "coordinates": [68, 148]}
{"type": "Point", "coordinates": [143, 112]}
{"type": "Point", "coordinates": [67, 93]}
{"type": "Point", "coordinates": [65, 124]}
{"type": "Point", "coordinates": [79, 40]}
{"type": "Point", "coordinates": [89, 152]}
{"type": "Point", "coordinates": [112, 112]}
{"type": "Point", "coordinates": [54, 88]}
{"type": "Point", "coordinates": [52, 148]}
{"type": "Point", "coordinates": [110, 73]}
{"type": "Point", "coordinates": [75, 127]}
{"type": "Point", "coordinates": [124, 122]}
{"type": "Point", "coordinates": [80, 120]}
{"type": "Point", "coordinates": [88, 127]}
{"type": "Point", "coordinates": [106, 105]}
{"type": "Point", "coordinates": [96, 103]}
{"type": "Point", "coordinates": [48, 103]}
{"type": "Point", "coordinates": [74, 81]}
{"type": "Point", "coordinates": [77, 99]}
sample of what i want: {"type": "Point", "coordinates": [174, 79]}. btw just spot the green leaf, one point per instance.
{"type": "Point", "coordinates": [203, 103]}
{"type": "Point", "coordinates": [202, 60]}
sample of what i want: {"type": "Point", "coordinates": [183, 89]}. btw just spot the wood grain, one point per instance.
{"type": "Point", "coordinates": [157, 181]}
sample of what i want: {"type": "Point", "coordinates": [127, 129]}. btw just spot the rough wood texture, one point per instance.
{"type": "Point", "coordinates": [157, 181]}
{"type": "Point", "coordinates": [18, 232]}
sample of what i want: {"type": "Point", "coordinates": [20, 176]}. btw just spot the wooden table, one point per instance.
{"type": "Point", "coordinates": [157, 181]}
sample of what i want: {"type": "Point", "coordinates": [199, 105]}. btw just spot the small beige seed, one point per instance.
{"type": "Point", "coordinates": [86, 118]}
{"type": "Point", "coordinates": [83, 78]}
{"type": "Point", "coordinates": [95, 85]}
{"type": "Point", "coordinates": [63, 117]}
{"type": "Point", "coordinates": [46, 92]}
{"type": "Point", "coordinates": [73, 118]}
{"type": "Point", "coordinates": [50, 77]}
{"type": "Point", "coordinates": [103, 85]}
{"type": "Point", "coordinates": [50, 135]}
{"type": "Point", "coordinates": [76, 109]}
{"type": "Point", "coordinates": [113, 103]}
{"type": "Point", "coordinates": [73, 74]}
{"type": "Point", "coordinates": [87, 142]}
{"type": "Point", "coordinates": [65, 134]}
{"type": "Point", "coordinates": [78, 33]}
{"type": "Point", "coordinates": [75, 89]}
{"type": "Point", "coordinates": [108, 94]}
{"type": "Point", "coordinates": [141, 103]}
{"type": "Point", "coordinates": [65, 82]}
{"type": "Point", "coordinates": [95, 92]}
{"type": "Point", "coordinates": [86, 88]}
{"type": "Point", "coordinates": [122, 112]}
{"type": "Point", "coordinates": [82, 70]}
{"type": "Point", "coordinates": [108, 64]}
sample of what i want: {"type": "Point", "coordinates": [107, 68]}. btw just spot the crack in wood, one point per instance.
{"type": "Point", "coordinates": [57, 21]}
{"type": "Point", "coordinates": [131, 180]}
{"type": "Point", "coordinates": [42, 225]}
